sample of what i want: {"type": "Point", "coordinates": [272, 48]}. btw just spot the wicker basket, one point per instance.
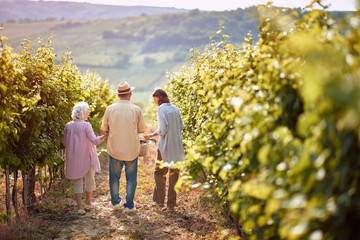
{"type": "Point", "coordinates": [144, 147]}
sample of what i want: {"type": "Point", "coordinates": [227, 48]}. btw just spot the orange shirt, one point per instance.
{"type": "Point", "coordinates": [124, 121]}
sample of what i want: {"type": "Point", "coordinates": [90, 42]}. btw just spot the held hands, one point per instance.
{"type": "Point", "coordinates": [147, 136]}
{"type": "Point", "coordinates": [151, 135]}
{"type": "Point", "coordinates": [104, 136]}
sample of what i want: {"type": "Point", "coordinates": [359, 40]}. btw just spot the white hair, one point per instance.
{"type": "Point", "coordinates": [79, 109]}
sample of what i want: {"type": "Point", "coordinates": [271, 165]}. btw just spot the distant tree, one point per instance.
{"type": "Point", "coordinates": [149, 61]}
{"type": "Point", "coordinates": [11, 20]}
{"type": "Point", "coordinates": [109, 35]}
{"type": "Point", "coordinates": [180, 56]}
{"type": "Point", "coordinates": [194, 12]}
{"type": "Point", "coordinates": [50, 19]}
{"type": "Point", "coordinates": [122, 61]}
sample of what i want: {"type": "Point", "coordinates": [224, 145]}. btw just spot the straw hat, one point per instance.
{"type": "Point", "coordinates": [124, 88]}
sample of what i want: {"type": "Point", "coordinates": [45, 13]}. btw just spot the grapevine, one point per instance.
{"type": "Point", "coordinates": [274, 126]}
{"type": "Point", "coordinates": [37, 97]}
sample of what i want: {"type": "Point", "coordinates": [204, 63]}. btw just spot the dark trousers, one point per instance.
{"type": "Point", "coordinates": [160, 184]}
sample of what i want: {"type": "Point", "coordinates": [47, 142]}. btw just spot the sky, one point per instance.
{"type": "Point", "coordinates": [221, 5]}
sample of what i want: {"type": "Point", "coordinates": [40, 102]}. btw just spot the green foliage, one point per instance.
{"type": "Point", "coordinates": [275, 126]}
{"type": "Point", "coordinates": [52, 88]}
{"type": "Point", "coordinates": [37, 97]}
{"type": "Point", "coordinates": [96, 92]}
{"type": "Point", "coordinates": [3, 217]}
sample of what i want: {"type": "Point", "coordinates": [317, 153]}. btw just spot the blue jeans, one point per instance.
{"type": "Point", "coordinates": [115, 168]}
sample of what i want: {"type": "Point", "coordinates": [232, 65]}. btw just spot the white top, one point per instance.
{"type": "Point", "coordinates": [169, 129]}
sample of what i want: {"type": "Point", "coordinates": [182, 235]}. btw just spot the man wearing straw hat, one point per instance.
{"type": "Point", "coordinates": [123, 121]}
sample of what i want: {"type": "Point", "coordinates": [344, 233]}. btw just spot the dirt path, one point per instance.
{"type": "Point", "coordinates": [55, 217]}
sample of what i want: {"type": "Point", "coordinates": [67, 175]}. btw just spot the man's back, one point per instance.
{"type": "Point", "coordinates": [124, 121]}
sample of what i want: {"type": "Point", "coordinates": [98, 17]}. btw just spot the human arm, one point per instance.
{"type": "Point", "coordinates": [162, 122]}
{"type": "Point", "coordinates": [102, 137]}
{"type": "Point", "coordinates": [162, 125]}
{"type": "Point", "coordinates": [141, 125]}
{"type": "Point", "coordinates": [91, 135]}
{"type": "Point", "coordinates": [150, 135]}
{"type": "Point", "coordinates": [104, 123]}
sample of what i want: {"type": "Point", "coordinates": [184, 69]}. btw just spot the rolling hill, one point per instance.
{"type": "Point", "coordinates": [139, 49]}
{"type": "Point", "coordinates": [25, 10]}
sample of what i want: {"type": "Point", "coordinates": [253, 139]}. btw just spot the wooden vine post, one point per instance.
{"type": "Point", "coordinates": [8, 206]}
{"type": "Point", "coordinates": [15, 194]}
{"type": "Point", "coordinates": [41, 183]}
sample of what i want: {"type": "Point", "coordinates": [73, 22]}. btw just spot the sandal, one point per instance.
{"type": "Point", "coordinates": [89, 207]}
{"type": "Point", "coordinates": [81, 211]}
{"type": "Point", "coordinates": [156, 205]}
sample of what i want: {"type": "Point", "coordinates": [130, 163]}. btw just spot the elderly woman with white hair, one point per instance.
{"type": "Point", "coordinates": [81, 157]}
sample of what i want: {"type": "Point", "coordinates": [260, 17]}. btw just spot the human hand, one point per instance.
{"type": "Point", "coordinates": [104, 136]}
{"type": "Point", "coordinates": [147, 136]}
